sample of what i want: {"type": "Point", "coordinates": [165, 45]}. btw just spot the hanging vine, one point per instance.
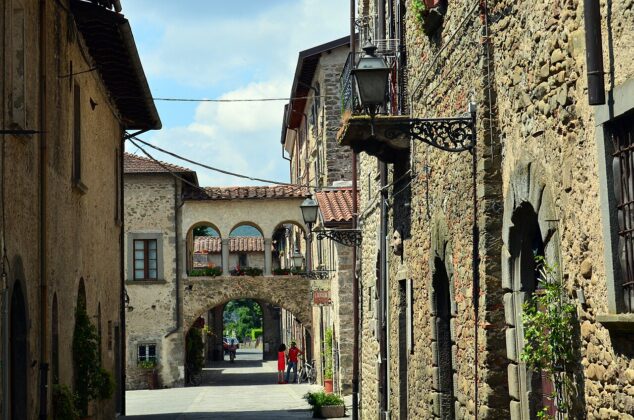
{"type": "Point", "coordinates": [548, 320]}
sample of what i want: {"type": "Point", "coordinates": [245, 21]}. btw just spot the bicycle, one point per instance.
{"type": "Point", "coordinates": [194, 378]}
{"type": "Point", "coordinates": [307, 373]}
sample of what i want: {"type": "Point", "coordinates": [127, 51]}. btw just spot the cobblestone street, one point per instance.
{"type": "Point", "coordinates": [247, 389]}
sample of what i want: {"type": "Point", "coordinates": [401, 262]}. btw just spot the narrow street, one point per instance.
{"type": "Point", "coordinates": [247, 389]}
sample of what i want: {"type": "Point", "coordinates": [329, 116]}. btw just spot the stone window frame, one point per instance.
{"type": "Point", "coordinates": [147, 344]}
{"type": "Point", "coordinates": [621, 102]}
{"type": "Point", "coordinates": [160, 276]}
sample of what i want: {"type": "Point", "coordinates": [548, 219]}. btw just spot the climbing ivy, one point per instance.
{"type": "Point", "coordinates": [548, 319]}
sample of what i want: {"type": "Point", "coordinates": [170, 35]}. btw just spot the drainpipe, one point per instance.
{"type": "Point", "coordinates": [594, 52]}
{"type": "Point", "coordinates": [43, 159]}
{"type": "Point", "coordinates": [355, 277]}
{"type": "Point", "coordinates": [382, 287]}
{"type": "Point", "coordinates": [177, 207]}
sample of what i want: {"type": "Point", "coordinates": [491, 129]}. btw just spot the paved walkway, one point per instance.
{"type": "Point", "coordinates": [247, 389]}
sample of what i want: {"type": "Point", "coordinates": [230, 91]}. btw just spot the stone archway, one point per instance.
{"type": "Point", "coordinates": [443, 305]}
{"type": "Point", "coordinates": [529, 227]}
{"type": "Point", "coordinates": [18, 381]}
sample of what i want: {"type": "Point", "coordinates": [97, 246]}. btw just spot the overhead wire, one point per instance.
{"type": "Point", "coordinates": [212, 168]}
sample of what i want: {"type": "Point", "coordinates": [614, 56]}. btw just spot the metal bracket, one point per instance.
{"type": "Point", "coordinates": [346, 237]}
{"type": "Point", "coordinates": [450, 134]}
{"type": "Point", "coordinates": [316, 275]}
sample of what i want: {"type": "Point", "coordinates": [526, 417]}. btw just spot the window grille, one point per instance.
{"type": "Point", "coordinates": [622, 135]}
{"type": "Point", "coordinates": [145, 259]}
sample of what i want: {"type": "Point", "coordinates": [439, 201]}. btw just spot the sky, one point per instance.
{"type": "Point", "coordinates": [227, 49]}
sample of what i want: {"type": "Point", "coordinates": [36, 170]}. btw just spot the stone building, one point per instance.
{"type": "Point", "coordinates": [66, 68]}
{"type": "Point", "coordinates": [153, 201]}
{"type": "Point", "coordinates": [309, 137]}
{"type": "Point", "coordinates": [244, 251]}
{"type": "Point", "coordinates": [442, 285]}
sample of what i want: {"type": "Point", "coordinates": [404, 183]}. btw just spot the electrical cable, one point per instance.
{"type": "Point", "coordinates": [223, 171]}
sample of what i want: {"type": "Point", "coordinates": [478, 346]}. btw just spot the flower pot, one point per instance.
{"type": "Point", "coordinates": [328, 386]}
{"type": "Point", "coordinates": [331, 411]}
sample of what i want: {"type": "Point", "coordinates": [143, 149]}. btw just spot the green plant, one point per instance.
{"type": "Point", "coordinates": [281, 271]}
{"type": "Point", "coordinates": [147, 364]}
{"type": "Point", "coordinates": [64, 403]}
{"type": "Point", "coordinates": [321, 399]}
{"type": "Point", "coordinates": [195, 346]}
{"type": "Point", "coordinates": [419, 8]}
{"type": "Point", "coordinates": [206, 272]}
{"type": "Point", "coordinates": [253, 271]}
{"type": "Point", "coordinates": [89, 377]}
{"type": "Point", "coordinates": [548, 319]}
{"type": "Point", "coordinates": [328, 354]}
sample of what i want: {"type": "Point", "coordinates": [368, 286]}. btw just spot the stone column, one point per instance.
{"type": "Point", "coordinates": [268, 260]}
{"type": "Point", "coordinates": [271, 337]}
{"type": "Point", "coordinates": [225, 257]}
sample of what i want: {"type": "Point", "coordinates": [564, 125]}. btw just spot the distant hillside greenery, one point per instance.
{"type": "Point", "coordinates": [242, 317]}
{"type": "Point", "coordinates": [239, 231]}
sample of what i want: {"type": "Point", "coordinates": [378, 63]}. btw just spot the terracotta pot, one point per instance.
{"type": "Point", "coordinates": [331, 411]}
{"type": "Point", "coordinates": [328, 386]}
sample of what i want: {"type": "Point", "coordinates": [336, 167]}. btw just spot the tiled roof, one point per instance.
{"type": "Point", "coordinates": [335, 205]}
{"type": "Point", "coordinates": [247, 193]}
{"type": "Point", "coordinates": [133, 164]}
{"type": "Point", "coordinates": [213, 245]}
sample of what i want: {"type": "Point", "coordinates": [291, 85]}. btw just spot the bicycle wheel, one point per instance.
{"type": "Point", "coordinates": [312, 377]}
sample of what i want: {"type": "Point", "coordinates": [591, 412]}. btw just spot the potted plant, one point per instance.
{"type": "Point", "coordinates": [430, 14]}
{"type": "Point", "coordinates": [326, 406]}
{"type": "Point", "coordinates": [328, 361]}
{"type": "Point", "coordinates": [149, 367]}
{"type": "Point", "coordinates": [281, 272]}
{"type": "Point", "coordinates": [64, 403]}
{"type": "Point", "coordinates": [92, 382]}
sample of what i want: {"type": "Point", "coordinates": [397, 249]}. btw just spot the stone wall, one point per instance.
{"type": "Point", "coordinates": [536, 144]}
{"type": "Point", "coordinates": [80, 229]}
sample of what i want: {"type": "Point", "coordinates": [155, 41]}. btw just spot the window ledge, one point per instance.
{"type": "Point", "coordinates": [145, 282]}
{"type": "Point", "coordinates": [623, 323]}
{"type": "Point", "coordinates": [79, 186]}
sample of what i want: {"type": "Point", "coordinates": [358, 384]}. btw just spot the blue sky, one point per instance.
{"type": "Point", "coordinates": [227, 49]}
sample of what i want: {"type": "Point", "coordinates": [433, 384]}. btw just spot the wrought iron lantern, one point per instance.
{"type": "Point", "coordinates": [371, 76]}
{"type": "Point", "coordinates": [297, 260]}
{"type": "Point", "coordinates": [309, 211]}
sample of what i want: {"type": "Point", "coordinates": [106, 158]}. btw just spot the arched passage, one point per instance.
{"type": "Point", "coordinates": [288, 237]}
{"type": "Point", "coordinates": [18, 354]}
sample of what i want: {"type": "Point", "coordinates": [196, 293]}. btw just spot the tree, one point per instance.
{"type": "Point", "coordinates": [242, 316]}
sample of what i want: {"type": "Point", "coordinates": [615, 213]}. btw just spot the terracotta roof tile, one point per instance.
{"type": "Point", "coordinates": [248, 193]}
{"type": "Point", "coordinates": [133, 164]}
{"type": "Point", "coordinates": [335, 205]}
{"type": "Point", "coordinates": [213, 245]}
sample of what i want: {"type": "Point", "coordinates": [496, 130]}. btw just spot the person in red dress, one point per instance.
{"type": "Point", "coordinates": [293, 352]}
{"type": "Point", "coordinates": [281, 361]}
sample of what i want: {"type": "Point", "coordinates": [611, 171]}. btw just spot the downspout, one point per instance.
{"type": "Point", "coordinates": [594, 52]}
{"type": "Point", "coordinates": [383, 294]}
{"type": "Point", "coordinates": [177, 207]}
{"type": "Point", "coordinates": [43, 158]}
{"type": "Point", "coordinates": [122, 292]}
{"type": "Point", "coordinates": [355, 277]}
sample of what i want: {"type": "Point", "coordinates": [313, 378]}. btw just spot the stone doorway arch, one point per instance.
{"type": "Point", "coordinates": [529, 229]}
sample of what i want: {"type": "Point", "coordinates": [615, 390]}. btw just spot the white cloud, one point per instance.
{"type": "Point", "coordinates": [237, 53]}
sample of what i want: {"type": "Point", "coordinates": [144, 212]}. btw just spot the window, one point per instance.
{"type": "Point", "coordinates": [147, 353]}
{"type": "Point", "coordinates": [145, 259]}
{"type": "Point", "coordinates": [242, 260]}
{"type": "Point", "coordinates": [621, 133]}
{"type": "Point", "coordinates": [77, 134]}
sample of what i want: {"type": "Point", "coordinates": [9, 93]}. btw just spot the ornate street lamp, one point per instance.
{"type": "Point", "coordinates": [371, 76]}
{"type": "Point", "coordinates": [297, 260]}
{"type": "Point", "coordinates": [309, 211]}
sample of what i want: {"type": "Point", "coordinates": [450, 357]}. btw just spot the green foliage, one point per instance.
{"type": "Point", "coordinates": [548, 320]}
{"type": "Point", "coordinates": [255, 333]}
{"type": "Point", "coordinates": [281, 271]}
{"type": "Point", "coordinates": [89, 377]}
{"type": "Point", "coordinates": [207, 272]}
{"type": "Point", "coordinates": [147, 364]}
{"type": "Point", "coordinates": [205, 231]}
{"type": "Point", "coordinates": [328, 354]}
{"type": "Point", "coordinates": [64, 403]}
{"type": "Point", "coordinates": [419, 8]}
{"type": "Point", "coordinates": [242, 316]}
{"type": "Point", "coordinates": [195, 347]}
{"type": "Point", "coordinates": [321, 399]}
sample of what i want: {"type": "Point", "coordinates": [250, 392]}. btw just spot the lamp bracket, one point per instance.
{"type": "Point", "coordinates": [456, 134]}
{"type": "Point", "coordinates": [346, 237]}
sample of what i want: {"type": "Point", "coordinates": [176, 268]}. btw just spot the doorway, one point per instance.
{"type": "Point", "coordinates": [18, 355]}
